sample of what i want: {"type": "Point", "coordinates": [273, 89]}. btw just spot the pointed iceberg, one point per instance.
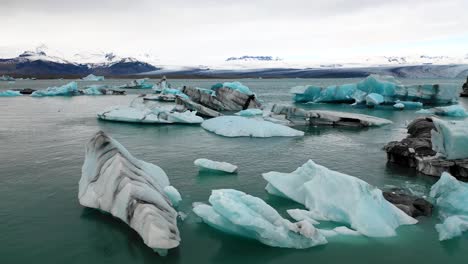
{"type": "Point", "coordinates": [334, 196]}
{"type": "Point", "coordinates": [240, 214]}
{"type": "Point", "coordinates": [237, 126]}
{"type": "Point", "coordinates": [69, 89]}
{"type": "Point", "coordinates": [132, 190]}
{"type": "Point", "coordinates": [93, 78]}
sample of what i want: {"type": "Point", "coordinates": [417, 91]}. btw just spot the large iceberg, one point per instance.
{"type": "Point", "coordinates": [215, 165]}
{"type": "Point", "coordinates": [69, 89]}
{"type": "Point", "coordinates": [450, 138]}
{"type": "Point", "coordinates": [455, 110]}
{"type": "Point", "coordinates": [238, 126]}
{"type": "Point", "coordinates": [132, 190]}
{"type": "Point", "coordinates": [147, 115]}
{"type": "Point", "coordinates": [9, 93]}
{"type": "Point", "coordinates": [451, 196]}
{"type": "Point", "coordinates": [93, 77]}
{"type": "Point", "coordinates": [386, 86]}
{"type": "Point", "coordinates": [237, 213]}
{"type": "Point", "coordinates": [333, 196]}
{"type": "Point", "coordinates": [298, 116]}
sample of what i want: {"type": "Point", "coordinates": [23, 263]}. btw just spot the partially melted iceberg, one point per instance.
{"type": "Point", "coordinates": [408, 105]}
{"type": "Point", "coordinates": [455, 110]}
{"type": "Point", "coordinates": [9, 93]}
{"type": "Point", "coordinates": [334, 196]}
{"type": "Point", "coordinates": [450, 138]}
{"type": "Point", "coordinates": [147, 115]}
{"type": "Point", "coordinates": [451, 196]}
{"type": "Point", "coordinates": [386, 86]}
{"type": "Point", "coordinates": [215, 165]}
{"type": "Point", "coordinates": [93, 78]}
{"type": "Point", "coordinates": [132, 190]}
{"type": "Point", "coordinates": [237, 126]}
{"type": "Point", "coordinates": [69, 89]}
{"type": "Point", "coordinates": [237, 213]}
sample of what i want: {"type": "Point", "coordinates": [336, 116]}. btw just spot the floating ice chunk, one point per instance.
{"type": "Point", "coordinates": [145, 115]}
{"type": "Point", "coordinates": [451, 196]}
{"type": "Point", "coordinates": [237, 126]}
{"type": "Point", "coordinates": [173, 195]}
{"type": "Point", "coordinates": [301, 215]}
{"type": "Point", "coordinates": [250, 112]}
{"type": "Point", "coordinates": [9, 93]}
{"type": "Point", "coordinates": [408, 105]}
{"type": "Point", "coordinates": [174, 92]}
{"type": "Point", "coordinates": [215, 165]}
{"type": "Point", "coordinates": [95, 90]}
{"type": "Point", "coordinates": [132, 190]}
{"type": "Point", "coordinates": [399, 106]}
{"type": "Point", "coordinates": [69, 89]}
{"type": "Point", "coordinates": [93, 77]}
{"type": "Point", "coordinates": [237, 213]}
{"type": "Point", "coordinates": [373, 99]}
{"type": "Point", "coordinates": [340, 230]}
{"type": "Point", "coordinates": [306, 93]}
{"type": "Point", "coordinates": [452, 110]}
{"type": "Point", "coordinates": [450, 138]}
{"type": "Point", "coordinates": [339, 197]}
{"type": "Point", "coordinates": [238, 86]}
{"type": "Point", "coordinates": [138, 84]}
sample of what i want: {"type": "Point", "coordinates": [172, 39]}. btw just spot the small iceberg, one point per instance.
{"type": "Point", "coordinates": [451, 196]}
{"type": "Point", "coordinates": [450, 138]}
{"type": "Point", "coordinates": [155, 115]}
{"type": "Point", "coordinates": [250, 112]}
{"type": "Point", "coordinates": [114, 181]}
{"type": "Point", "coordinates": [407, 105]}
{"type": "Point", "coordinates": [333, 196]}
{"type": "Point", "coordinates": [138, 84]}
{"type": "Point", "coordinates": [95, 90]}
{"type": "Point", "coordinates": [9, 93]}
{"type": "Point", "coordinates": [7, 78]}
{"type": "Point", "coordinates": [240, 214]}
{"type": "Point", "coordinates": [69, 89]}
{"type": "Point", "coordinates": [238, 126]}
{"type": "Point", "coordinates": [374, 99]}
{"type": "Point", "coordinates": [452, 110]}
{"type": "Point", "coordinates": [93, 78]}
{"type": "Point", "coordinates": [215, 165]}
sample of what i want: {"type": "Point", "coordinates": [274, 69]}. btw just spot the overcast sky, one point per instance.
{"type": "Point", "coordinates": [208, 30]}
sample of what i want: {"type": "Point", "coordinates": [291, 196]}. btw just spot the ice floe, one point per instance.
{"type": "Point", "coordinates": [132, 190]}
{"type": "Point", "coordinates": [215, 165]}
{"type": "Point", "coordinates": [147, 115]}
{"type": "Point", "coordinates": [238, 126]}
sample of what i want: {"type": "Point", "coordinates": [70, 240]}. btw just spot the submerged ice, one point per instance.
{"type": "Point", "coordinates": [238, 126]}
{"type": "Point", "coordinates": [132, 190]}
{"type": "Point", "coordinates": [451, 196]}
{"type": "Point", "coordinates": [237, 213]}
{"type": "Point", "coordinates": [333, 196]}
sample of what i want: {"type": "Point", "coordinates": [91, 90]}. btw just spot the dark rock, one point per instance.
{"type": "Point", "coordinates": [26, 91]}
{"type": "Point", "coordinates": [410, 204]}
{"type": "Point", "coordinates": [464, 93]}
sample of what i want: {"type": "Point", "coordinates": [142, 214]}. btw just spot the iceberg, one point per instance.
{"type": "Point", "coordinates": [451, 196]}
{"type": "Point", "coordinates": [173, 195]}
{"type": "Point", "coordinates": [374, 99]}
{"type": "Point", "coordinates": [451, 110]}
{"type": "Point", "coordinates": [69, 89]}
{"type": "Point", "coordinates": [334, 196]}
{"type": "Point", "coordinates": [237, 126]}
{"type": "Point", "coordinates": [138, 84]}
{"type": "Point", "coordinates": [450, 138]}
{"type": "Point", "coordinates": [408, 105]}
{"type": "Point", "coordinates": [187, 104]}
{"type": "Point", "coordinates": [95, 90]}
{"type": "Point", "coordinates": [215, 165]}
{"type": "Point", "coordinates": [250, 112]}
{"type": "Point", "coordinates": [175, 92]}
{"type": "Point", "coordinates": [399, 106]}
{"type": "Point", "coordinates": [7, 78]}
{"type": "Point", "coordinates": [150, 116]}
{"type": "Point", "coordinates": [9, 93]}
{"type": "Point", "coordinates": [240, 214]}
{"type": "Point", "coordinates": [386, 86]}
{"type": "Point", "coordinates": [236, 86]}
{"type": "Point", "coordinates": [93, 78]}
{"type": "Point", "coordinates": [298, 116]}
{"type": "Point", "coordinates": [132, 190]}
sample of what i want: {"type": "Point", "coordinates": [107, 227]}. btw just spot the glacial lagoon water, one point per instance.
{"type": "Point", "coordinates": [42, 151]}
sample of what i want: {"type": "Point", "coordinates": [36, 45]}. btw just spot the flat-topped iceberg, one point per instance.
{"type": "Point", "coordinates": [238, 126]}
{"type": "Point", "coordinates": [455, 110]}
{"type": "Point", "coordinates": [333, 196]}
{"type": "Point", "coordinates": [386, 86]}
{"type": "Point", "coordinates": [298, 116]}
{"type": "Point", "coordinates": [215, 165]}
{"type": "Point", "coordinates": [240, 214]}
{"type": "Point", "coordinates": [93, 78]}
{"type": "Point", "coordinates": [450, 138]}
{"type": "Point", "coordinates": [451, 196]}
{"type": "Point", "coordinates": [114, 181]}
{"type": "Point", "coordinates": [9, 93]}
{"type": "Point", "coordinates": [69, 89]}
{"type": "Point", "coordinates": [408, 105]}
{"type": "Point", "coordinates": [155, 115]}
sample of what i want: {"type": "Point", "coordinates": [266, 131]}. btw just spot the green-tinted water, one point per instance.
{"type": "Point", "coordinates": [42, 150]}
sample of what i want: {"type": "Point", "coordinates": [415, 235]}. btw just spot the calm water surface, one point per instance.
{"type": "Point", "coordinates": [42, 151]}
